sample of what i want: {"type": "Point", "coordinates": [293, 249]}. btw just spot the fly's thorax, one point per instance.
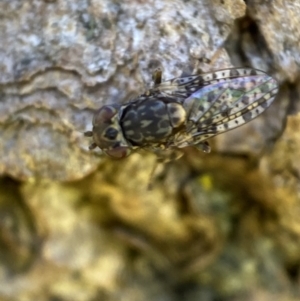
{"type": "Point", "coordinates": [151, 121]}
{"type": "Point", "coordinates": [108, 134]}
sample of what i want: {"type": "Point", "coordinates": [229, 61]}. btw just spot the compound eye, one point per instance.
{"type": "Point", "coordinates": [104, 115]}
{"type": "Point", "coordinates": [111, 133]}
{"type": "Point", "coordinates": [118, 152]}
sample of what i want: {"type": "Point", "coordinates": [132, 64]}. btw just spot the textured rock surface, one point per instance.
{"type": "Point", "coordinates": [82, 227]}
{"type": "Point", "coordinates": [60, 60]}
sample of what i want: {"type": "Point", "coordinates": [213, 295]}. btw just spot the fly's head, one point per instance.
{"type": "Point", "coordinates": [107, 133]}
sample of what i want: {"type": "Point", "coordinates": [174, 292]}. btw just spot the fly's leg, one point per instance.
{"type": "Point", "coordinates": [203, 146]}
{"type": "Point", "coordinates": [205, 60]}
{"type": "Point", "coordinates": [152, 174]}
{"type": "Point", "coordinates": [157, 76]}
{"type": "Point", "coordinates": [163, 157]}
{"type": "Point", "coordinates": [90, 134]}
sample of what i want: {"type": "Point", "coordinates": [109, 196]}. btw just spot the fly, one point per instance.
{"type": "Point", "coordinates": [184, 111]}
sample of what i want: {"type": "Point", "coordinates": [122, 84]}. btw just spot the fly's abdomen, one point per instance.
{"type": "Point", "coordinates": [151, 121]}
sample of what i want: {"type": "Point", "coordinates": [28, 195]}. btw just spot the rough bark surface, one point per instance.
{"type": "Point", "coordinates": [76, 225]}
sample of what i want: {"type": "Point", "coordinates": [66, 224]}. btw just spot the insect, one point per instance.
{"type": "Point", "coordinates": [184, 111]}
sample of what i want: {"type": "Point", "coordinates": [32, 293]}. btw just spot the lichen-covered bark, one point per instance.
{"type": "Point", "coordinates": [78, 226]}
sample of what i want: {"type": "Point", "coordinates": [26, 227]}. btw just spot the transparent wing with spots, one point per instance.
{"type": "Point", "coordinates": [221, 100]}
{"type": "Point", "coordinates": [183, 87]}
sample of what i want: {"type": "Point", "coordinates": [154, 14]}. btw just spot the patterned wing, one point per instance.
{"type": "Point", "coordinates": [183, 87]}
{"type": "Point", "coordinates": [221, 101]}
